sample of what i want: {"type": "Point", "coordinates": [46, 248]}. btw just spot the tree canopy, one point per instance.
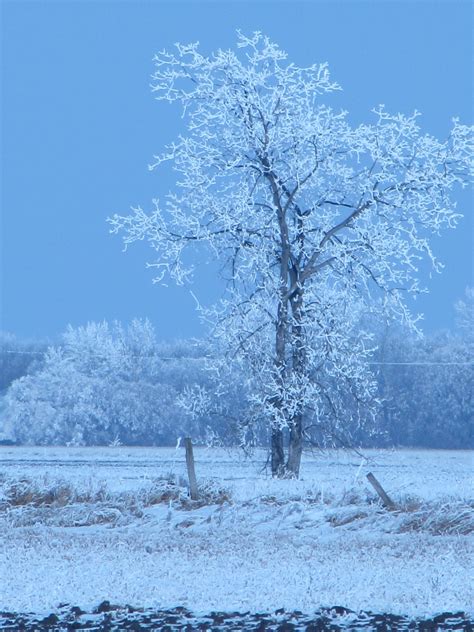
{"type": "Point", "coordinates": [315, 222]}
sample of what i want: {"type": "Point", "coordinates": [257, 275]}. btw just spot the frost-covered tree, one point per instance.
{"type": "Point", "coordinates": [105, 383]}
{"type": "Point", "coordinates": [429, 399]}
{"type": "Point", "coordinates": [313, 221]}
{"type": "Point", "coordinates": [426, 384]}
{"type": "Point", "coordinates": [442, 402]}
{"type": "Point", "coordinates": [464, 309]}
{"type": "Point", "coordinates": [17, 358]}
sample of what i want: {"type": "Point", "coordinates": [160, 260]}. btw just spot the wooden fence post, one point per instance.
{"type": "Point", "coordinates": [387, 501]}
{"type": "Point", "coordinates": [193, 488]}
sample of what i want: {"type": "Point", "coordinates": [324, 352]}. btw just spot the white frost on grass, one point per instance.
{"type": "Point", "coordinates": [97, 524]}
{"type": "Point", "coordinates": [411, 574]}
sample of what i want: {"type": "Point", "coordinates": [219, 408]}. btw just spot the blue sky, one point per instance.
{"type": "Point", "coordinates": [80, 126]}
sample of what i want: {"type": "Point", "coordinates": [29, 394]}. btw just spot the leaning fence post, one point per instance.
{"type": "Point", "coordinates": [387, 501]}
{"type": "Point", "coordinates": [193, 489]}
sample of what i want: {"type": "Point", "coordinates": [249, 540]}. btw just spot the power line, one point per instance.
{"type": "Point", "coordinates": [24, 352]}
{"type": "Point", "coordinates": [423, 363]}
{"type": "Point", "coordinates": [139, 355]}
{"type": "Point", "coordinates": [99, 355]}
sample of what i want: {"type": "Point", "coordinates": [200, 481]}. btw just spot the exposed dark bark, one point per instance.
{"type": "Point", "coordinates": [281, 369]}
{"type": "Point", "coordinates": [295, 448]}
{"type": "Point", "coordinates": [278, 454]}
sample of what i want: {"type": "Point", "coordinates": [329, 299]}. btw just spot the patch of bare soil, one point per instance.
{"type": "Point", "coordinates": [114, 618]}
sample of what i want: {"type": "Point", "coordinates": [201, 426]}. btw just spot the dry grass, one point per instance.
{"type": "Point", "coordinates": [340, 519]}
{"type": "Point", "coordinates": [438, 519]}
{"type": "Point", "coordinates": [46, 492]}
{"type": "Point", "coordinates": [25, 502]}
{"type": "Point", "coordinates": [170, 490]}
{"type": "Point", "coordinates": [55, 502]}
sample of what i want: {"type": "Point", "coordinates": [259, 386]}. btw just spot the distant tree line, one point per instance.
{"type": "Point", "coordinates": [108, 383]}
{"type": "Point", "coordinates": [427, 394]}
{"type": "Point", "coordinates": [104, 383]}
{"type": "Point", "coordinates": [17, 358]}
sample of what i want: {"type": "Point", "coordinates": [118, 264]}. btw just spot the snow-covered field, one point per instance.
{"type": "Point", "coordinates": [82, 525]}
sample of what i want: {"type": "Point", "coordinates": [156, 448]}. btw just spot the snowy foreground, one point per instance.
{"type": "Point", "coordinates": [83, 525]}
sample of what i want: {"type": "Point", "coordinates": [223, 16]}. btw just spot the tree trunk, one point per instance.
{"type": "Point", "coordinates": [295, 448]}
{"type": "Point", "coordinates": [278, 454]}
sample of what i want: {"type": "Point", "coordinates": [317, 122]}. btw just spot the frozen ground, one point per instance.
{"type": "Point", "coordinates": [83, 525]}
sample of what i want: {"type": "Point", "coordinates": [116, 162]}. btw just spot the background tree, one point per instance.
{"type": "Point", "coordinates": [425, 384]}
{"type": "Point", "coordinates": [313, 222]}
{"type": "Point", "coordinates": [17, 358]}
{"type": "Point", "coordinates": [106, 383]}
{"type": "Point", "coordinates": [464, 309]}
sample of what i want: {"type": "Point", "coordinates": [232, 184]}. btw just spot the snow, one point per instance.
{"type": "Point", "coordinates": [321, 541]}
{"type": "Point", "coordinates": [430, 474]}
